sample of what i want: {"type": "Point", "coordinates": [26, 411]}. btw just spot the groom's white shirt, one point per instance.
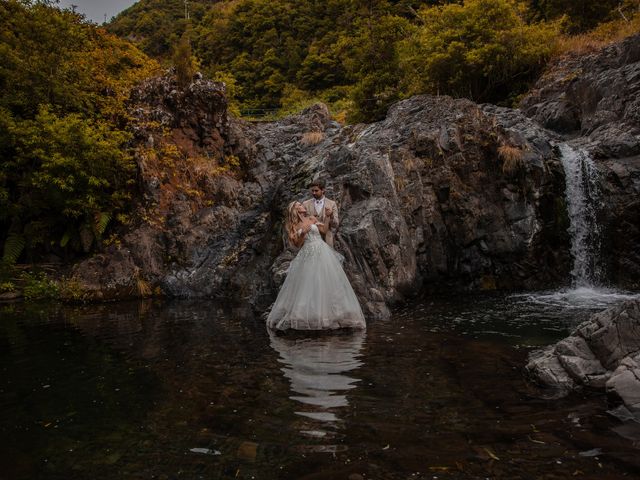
{"type": "Point", "coordinates": [319, 204]}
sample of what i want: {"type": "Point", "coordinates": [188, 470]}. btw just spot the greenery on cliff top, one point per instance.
{"type": "Point", "coordinates": [360, 55]}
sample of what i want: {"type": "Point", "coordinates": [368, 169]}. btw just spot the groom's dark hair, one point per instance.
{"type": "Point", "coordinates": [318, 183]}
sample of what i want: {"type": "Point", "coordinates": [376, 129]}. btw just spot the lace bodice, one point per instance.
{"type": "Point", "coordinates": [313, 235]}
{"type": "Point", "coordinates": [312, 243]}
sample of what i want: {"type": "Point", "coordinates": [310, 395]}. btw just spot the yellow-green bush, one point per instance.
{"type": "Point", "coordinates": [65, 168]}
{"type": "Point", "coordinates": [481, 49]}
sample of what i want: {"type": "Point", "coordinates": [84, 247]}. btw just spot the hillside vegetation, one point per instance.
{"type": "Point", "coordinates": [66, 170]}
{"type": "Point", "coordinates": [360, 55]}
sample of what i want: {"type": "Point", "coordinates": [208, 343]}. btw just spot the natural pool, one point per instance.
{"type": "Point", "coordinates": [189, 389]}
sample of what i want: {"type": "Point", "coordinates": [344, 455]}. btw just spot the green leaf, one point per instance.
{"type": "Point", "coordinates": [65, 239]}
{"type": "Point", "coordinates": [101, 222]}
{"type": "Point", "coordinates": [13, 247]}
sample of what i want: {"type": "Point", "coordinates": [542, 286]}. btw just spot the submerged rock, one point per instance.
{"type": "Point", "coordinates": [602, 353]}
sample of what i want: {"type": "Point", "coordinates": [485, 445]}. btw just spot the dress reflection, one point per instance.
{"type": "Point", "coordinates": [316, 368]}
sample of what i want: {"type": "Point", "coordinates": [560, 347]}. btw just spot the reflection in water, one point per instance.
{"type": "Point", "coordinates": [316, 368]}
{"type": "Point", "coordinates": [187, 389]}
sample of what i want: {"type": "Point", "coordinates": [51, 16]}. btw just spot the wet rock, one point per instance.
{"type": "Point", "coordinates": [603, 352]}
{"type": "Point", "coordinates": [625, 383]}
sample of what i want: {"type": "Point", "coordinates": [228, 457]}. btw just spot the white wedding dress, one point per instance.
{"type": "Point", "coordinates": [316, 295]}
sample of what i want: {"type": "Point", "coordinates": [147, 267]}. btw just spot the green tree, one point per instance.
{"type": "Point", "coordinates": [66, 178]}
{"type": "Point", "coordinates": [580, 15]}
{"type": "Point", "coordinates": [65, 169]}
{"type": "Point", "coordinates": [482, 49]}
{"type": "Point", "coordinates": [183, 61]}
{"type": "Point", "coordinates": [372, 61]}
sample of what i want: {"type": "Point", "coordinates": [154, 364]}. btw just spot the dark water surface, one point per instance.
{"type": "Point", "coordinates": [192, 390]}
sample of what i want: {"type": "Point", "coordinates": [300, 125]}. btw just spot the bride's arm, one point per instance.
{"type": "Point", "coordinates": [321, 226]}
{"type": "Point", "coordinates": [297, 236]}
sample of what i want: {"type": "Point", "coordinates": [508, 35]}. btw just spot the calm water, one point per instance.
{"type": "Point", "coordinates": [189, 390]}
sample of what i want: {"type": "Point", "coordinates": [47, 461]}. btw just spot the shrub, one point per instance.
{"type": "Point", "coordinates": [512, 159]}
{"type": "Point", "coordinates": [69, 177]}
{"type": "Point", "coordinates": [482, 49]}
{"type": "Point", "coordinates": [311, 138]}
{"type": "Point", "coordinates": [37, 286]}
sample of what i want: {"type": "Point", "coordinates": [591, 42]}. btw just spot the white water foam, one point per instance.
{"type": "Point", "coordinates": [583, 202]}
{"type": "Point", "coordinates": [583, 298]}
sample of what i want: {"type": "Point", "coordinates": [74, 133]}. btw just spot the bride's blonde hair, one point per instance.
{"type": "Point", "coordinates": [292, 221]}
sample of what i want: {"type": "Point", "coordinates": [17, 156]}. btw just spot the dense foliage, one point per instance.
{"type": "Point", "coordinates": [579, 16]}
{"type": "Point", "coordinates": [361, 55]}
{"type": "Point", "coordinates": [481, 50]}
{"type": "Point", "coordinates": [65, 169]}
{"type": "Point", "coordinates": [157, 25]}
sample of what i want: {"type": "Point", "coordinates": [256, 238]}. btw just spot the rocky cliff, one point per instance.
{"type": "Point", "coordinates": [594, 103]}
{"type": "Point", "coordinates": [441, 194]}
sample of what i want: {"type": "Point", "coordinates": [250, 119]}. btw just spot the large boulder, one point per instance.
{"type": "Point", "coordinates": [440, 194]}
{"type": "Point", "coordinates": [602, 353]}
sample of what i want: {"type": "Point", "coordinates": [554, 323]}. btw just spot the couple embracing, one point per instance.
{"type": "Point", "coordinates": [316, 294]}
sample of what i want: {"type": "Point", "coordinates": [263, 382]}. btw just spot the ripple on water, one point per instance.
{"type": "Point", "coordinates": [581, 298]}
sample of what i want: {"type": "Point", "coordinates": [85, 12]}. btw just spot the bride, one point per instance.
{"type": "Point", "coordinates": [316, 295]}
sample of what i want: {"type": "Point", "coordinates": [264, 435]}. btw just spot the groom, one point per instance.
{"type": "Point", "coordinates": [324, 209]}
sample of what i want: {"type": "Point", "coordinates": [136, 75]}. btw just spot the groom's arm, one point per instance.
{"type": "Point", "coordinates": [334, 218]}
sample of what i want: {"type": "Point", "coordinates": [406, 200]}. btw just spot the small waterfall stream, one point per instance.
{"type": "Point", "coordinates": [583, 200]}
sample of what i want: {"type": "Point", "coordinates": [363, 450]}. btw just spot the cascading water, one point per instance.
{"type": "Point", "coordinates": [583, 200]}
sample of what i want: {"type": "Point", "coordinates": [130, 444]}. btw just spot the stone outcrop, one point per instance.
{"type": "Point", "coordinates": [602, 353]}
{"type": "Point", "coordinates": [440, 194]}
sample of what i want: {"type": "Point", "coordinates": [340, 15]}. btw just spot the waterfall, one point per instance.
{"type": "Point", "coordinates": [583, 200]}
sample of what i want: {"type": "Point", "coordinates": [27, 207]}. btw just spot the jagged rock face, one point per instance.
{"type": "Point", "coordinates": [594, 96]}
{"type": "Point", "coordinates": [602, 353]}
{"type": "Point", "coordinates": [423, 200]}
{"type": "Point", "coordinates": [428, 196]}
{"type": "Point", "coordinates": [423, 197]}
{"type": "Point", "coordinates": [595, 101]}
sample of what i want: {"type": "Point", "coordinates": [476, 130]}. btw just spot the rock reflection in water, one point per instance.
{"type": "Point", "coordinates": [316, 368]}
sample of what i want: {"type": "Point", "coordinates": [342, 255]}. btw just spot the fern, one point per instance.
{"type": "Point", "coordinates": [101, 220]}
{"type": "Point", "coordinates": [13, 247]}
